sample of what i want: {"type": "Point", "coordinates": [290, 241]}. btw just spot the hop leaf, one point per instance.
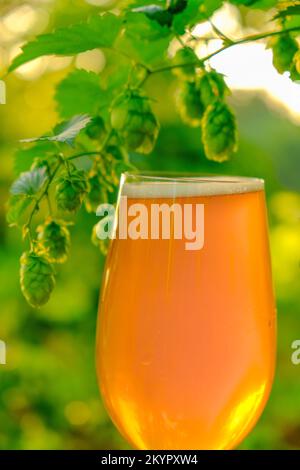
{"type": "Point", "coordinates": [46, 164]}
{"type": "Point", "coordinates": [212, 86]}
{"type": "Point", "coordinates": [17, 207]}
{"type": "Point", "coordinates": [54, 238]}
{"type": "Point", "coordinates": [133, 118]}
{"type": "Point", "coordinates": [243, 2]}
{"type": "Point", "coordinates": [70, 190]}
{"type": "Point", "coordinates": [219, 132]}
{"type": "Point", "coordinates": [150, 25]}
{"type": "Point", "coordinates": [96, 193]}
{"type": "Point", "coordinates": [66, 131]}
{"type": "Point", "coordinates": [156, 13]}
{"type": "Point", "coordinates": [96, 129]}
{"type": "Point", "coordinates": [29, 182]}
{"type": "Point", "coordinates": [189, 103]}
{"type": "Point", "coordinates": [176, 6]}
{"type": "Point", "coordinates": [185, 56]}
{"type": "Point", "coordinates": [99, 31]}
{"type": "Point", "coordinates": [284, 48]}
{"type": "Point", "coordinates": [37, 278]}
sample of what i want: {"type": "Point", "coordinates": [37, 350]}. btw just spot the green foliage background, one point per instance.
{"type": "Point", "coordinates": [48, 393]}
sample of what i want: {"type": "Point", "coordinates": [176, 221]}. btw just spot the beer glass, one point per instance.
{"type": "Point", "coordinates": [187, 333]}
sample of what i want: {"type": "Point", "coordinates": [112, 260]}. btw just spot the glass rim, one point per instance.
{"type": "Point", "coordinates": [184, 177]}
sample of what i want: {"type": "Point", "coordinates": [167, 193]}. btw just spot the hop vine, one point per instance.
{"type": "Point", "coordinates": [107, 118]}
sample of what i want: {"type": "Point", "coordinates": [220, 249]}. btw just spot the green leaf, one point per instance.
{"type": "Point", "coordinates": [189, 17]}
{"type": "Point", "coordinates": [210, 6]}
{"type": "Point", "coordinates": [144, 40]}
{"type": "Point", "coordinates": [243, 2]}
{"type": "Point", "coordinates": [29, 182]}
{"type": "Point", "coordinates": [24, 157]}
{"type": "Point", "coordinates": [156, 13]}
{"type": "Point", "coordinates": [80, 92]}
{"type": "Point", "coordinates": [66, 131]}
{"type": "Point", "coordinates": [140, 26]}
{"type": "Point", "coordinates": [291, 10]}
{"type": "Point", "coordinates": [17, 205]}
{"type": "Point", "coordinates": [176, 6]}
{"type": "Point", "coordinates": [100, 31]}
{"type": "Point", "coordinates": [256, 4]}
{"type": "Point", "coordinates": [195, 12]}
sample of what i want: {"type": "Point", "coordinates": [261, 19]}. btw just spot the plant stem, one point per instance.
{"type": "Point", "coordinates": [38, 200]}
{"type": "Point", "coordinates": [84, 154]}
{"type": "Point", "coordinates": [251, 38]}
{"type": "Point", "coordinates": [95, 152]}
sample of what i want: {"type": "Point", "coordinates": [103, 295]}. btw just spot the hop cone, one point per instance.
{"type": "Point", "coordinates": [70, 190]}
{"type": "Point", "coordinates": [96, 129]}
{"type": "Point", "coordinates": [185, 56]}
{"type": "Point", "coordinates": [37, 278]}
{"type": "Point", "coordinates": [284, 48]}
{"type": "Point", "coordinates": [114, 152]}
{"type": "Point", "coordinates": [133, 118]}
{"type": "Point", "coordinates": [212, 86]}
{"type": "Point", "coordinates": [55, 241]}
{"type": "Point", "coordinates": [219, 132]}
{"type": "Point", "coordinates": [296, 62]}
{"type": "Point", "coordinates": [189, 103]}
{"type": "Point", "coordinates": [96, 193]}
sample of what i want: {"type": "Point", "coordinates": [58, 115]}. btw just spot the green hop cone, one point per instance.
{"type": "Point", "coordinates": [37, 278]}
{"type": "Point", "coordinates": [185, 55]}
{"type": "Point", "coordinates": [115, 153]}
{"type": "Point", "coordinates": [219, 132]}
{"type": "Point", "coordinates": [189, 103]}
{"type": "Point", "coordinates": [294, 74]}
{"type": "Point", "coordinates": [284, 48]}
{"type": "Point", "coordinates": [96, 129]}
{"type": "Point", "coordinates": [296, 62]}
{"type": "Point", "coordinates": [70, 190]}
{"type": "Point", "coordinates": [96, 194]}
{"type": "Point", "coordinates": [212, 86]}
{"type": "Point", "coordinates": [54, 238]}
{"type": "Point", "coordinates": [135, 122]}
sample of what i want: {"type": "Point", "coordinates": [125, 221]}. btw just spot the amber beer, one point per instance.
{"type": "Point", "coordinates": [186, 338]}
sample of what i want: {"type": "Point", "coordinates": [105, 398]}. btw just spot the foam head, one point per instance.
{"type": "Point", "coordinates": [149, 187]}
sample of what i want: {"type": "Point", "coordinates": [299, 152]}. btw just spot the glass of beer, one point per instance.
{"type": "Point", "coordinates": [186, 338]}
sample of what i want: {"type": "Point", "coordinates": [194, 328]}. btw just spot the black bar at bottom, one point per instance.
{"type": "Point", "coordinates": [134, 459]}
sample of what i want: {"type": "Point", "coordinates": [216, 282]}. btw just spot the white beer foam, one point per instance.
{"type": "Point", "coordinates": [188, 187]}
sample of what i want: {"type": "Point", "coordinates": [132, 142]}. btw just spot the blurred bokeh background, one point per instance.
{"type": "Point", "coordinates": [48, 393]}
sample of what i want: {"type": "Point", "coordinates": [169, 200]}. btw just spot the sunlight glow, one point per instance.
{"type": "Point", "coordinates": [20, 19]}
{"type": "Point", "coordinates": [249, 67]}
{"type": "Point", "coordinates": [92, 61]}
